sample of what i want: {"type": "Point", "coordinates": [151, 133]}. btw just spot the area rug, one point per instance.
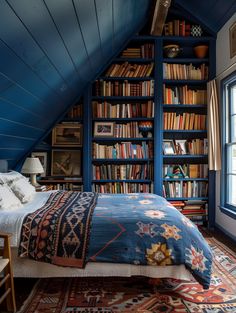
{"type": "Point", "coordinates": [115, 295]}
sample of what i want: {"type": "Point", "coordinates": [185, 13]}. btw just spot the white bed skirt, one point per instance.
{"type": "Point", "coordinates": [23, 267]}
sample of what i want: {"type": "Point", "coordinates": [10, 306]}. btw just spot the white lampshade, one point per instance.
{"type": "Point", "coordinates": [32, 166]}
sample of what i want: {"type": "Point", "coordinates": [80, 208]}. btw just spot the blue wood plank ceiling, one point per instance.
{"type": "Point", "coordinates": [51, 49]}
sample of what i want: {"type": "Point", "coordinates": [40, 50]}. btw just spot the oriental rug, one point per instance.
{"type": "Point", "coordinates": [114, 295]}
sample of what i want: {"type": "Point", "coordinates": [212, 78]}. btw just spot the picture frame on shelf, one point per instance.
{"type": "Point", "coordinates": [43, 157]}
{"type": "Point", "coordinates": [66, 163]}
{"type": "Point", "coordinates": [232, 40]}
{"type": "Point", "coordinates": [168, 147]}
{"type": "Point", "coordinates": [180, 146]}
{"type": "Point", "coordinates": [103, 129]}
{"type": "Point", "coordinates": [67, 135]}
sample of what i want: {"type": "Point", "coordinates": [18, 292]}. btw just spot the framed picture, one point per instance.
{"type": "Point", "coordinates": [43, 160]}
{"type": "Point", "coordinates": [180, 146]}
{"type": "Point", "coordinates": [168, 147]}
{"type": "Point", "coordinates": [66, 163]}
{"type": "Point", "coordinates": [67, 135]}
{"type": "Point", "coordinates": [103, 129]}
{"type": "Point", "coordinates": [232, 40]}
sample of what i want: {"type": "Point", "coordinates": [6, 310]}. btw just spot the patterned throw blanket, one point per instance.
{"type": "Point", "coordinates": [58, 232]}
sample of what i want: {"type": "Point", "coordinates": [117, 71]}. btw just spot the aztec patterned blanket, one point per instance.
{"type": "Point", "coordinates": [146, 229]}
{"type": "Point", "coordinates": [58, 232]}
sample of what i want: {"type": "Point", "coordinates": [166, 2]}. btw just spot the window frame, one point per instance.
{"type": "Point", "coordinates": [226, 86]}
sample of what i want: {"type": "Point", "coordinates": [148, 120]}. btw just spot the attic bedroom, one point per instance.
{"type": "Point", "coordinates": [117, 156]}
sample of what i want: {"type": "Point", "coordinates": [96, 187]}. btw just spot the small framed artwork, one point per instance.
{"type": "Point", "coordinates": [67, 135]}
{"type": "Point", "coordinates": [168, 146]}
{"type": "Point", "coordinates": [103, 129]}
{"type": "Point", "coordinates": [232, 40]}
{"type": "Point", "coordinates": [43, 160]}
{"type": "Point", "coordinates": [180, 146]}
{"type": "Point", "coordinates": [66, 163]}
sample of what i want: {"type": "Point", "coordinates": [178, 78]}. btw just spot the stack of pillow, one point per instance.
{"type": "Point", "coordinates": [15, 189]}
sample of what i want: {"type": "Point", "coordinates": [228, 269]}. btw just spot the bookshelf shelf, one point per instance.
{"type": "Point", "coordinates": [122, 98]}
{"type": "Point", "coordinates": [187, 199]}
{"type": "Point", "coordinates": [128, 160]}
{"type": "Point", "coordinates": [185, 106]}
{"type": "Point", "coordinates": [186, 60]}
{"type": "Point", "coordinates": [184, 81]}
{"type": "Point", "coordinates": [123, 119]}
{"type": "Point", "coordinates": [107, 78]}
{"type": "Point", "coordinates": [184, 179]}
{"type": "Point", "coordinates": [103, 139]}
{"type": "Point", "coordinates": [136, 60]}
{"type": "Point", "coordinates": [102, 181]}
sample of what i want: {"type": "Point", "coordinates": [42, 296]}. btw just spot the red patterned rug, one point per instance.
{"type": "Point", "coordinates": [114, 295]}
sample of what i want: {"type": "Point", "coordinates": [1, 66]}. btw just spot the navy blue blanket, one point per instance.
{"type": "Point", "coordinates": [146, 229]}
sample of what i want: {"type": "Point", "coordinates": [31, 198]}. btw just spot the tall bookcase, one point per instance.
{"type": "Point", "coordinates": [123, 113]}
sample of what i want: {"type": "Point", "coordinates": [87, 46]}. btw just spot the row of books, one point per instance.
{"type": "Point", "coordinates": [185, 171]}
{"type": "Point", "coordinates": [184, 146]}
{"type": "Point", "coordinates": [185, 189]}
{"type": "Point", "coordinates": [123, 171]}
{"type": "Point", "coordinates": [177, 28]}
{"type": "Point", "coordinates": [124, 150]}
{"type": "Point", "coordinates": [122, 188]}
{"type": "Point", "coordinates": [123, 110]}
{"type": "Point", "coordinates": [144, 51]}
{"type": "Point", "coordinates": [128, 130]}
{"type": "Point", "coordinates": [125, 88]}
{"type": "Point", "coordinates": [127, 69]}
{"type": "Point", "coordinates": [66, 186]}
{"type": "Point", "coordinates": [184, 71]}
{"type": "Point", "coordinates": [196, 210]}
{"type": "Point", "coordinates": [76, 111]}
{"type": "Point", "coordinates": [185, 121]}
{"type": "Point", "coordinates": [184, 95]}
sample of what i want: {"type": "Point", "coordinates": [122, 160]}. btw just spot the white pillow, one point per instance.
{"type": "Point", "coordinates": [23, 189]}
{"type": "Point", "coordinates": [8, 178]}
{"type": "Point", "coordinates": [8, 200]}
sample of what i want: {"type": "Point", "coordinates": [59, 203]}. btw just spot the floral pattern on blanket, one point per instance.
{"type": "Point", "coordinates": [146, 229]}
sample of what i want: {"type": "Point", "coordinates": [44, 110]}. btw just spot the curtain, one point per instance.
{"type": "Point", "coordinates": [214, 150]}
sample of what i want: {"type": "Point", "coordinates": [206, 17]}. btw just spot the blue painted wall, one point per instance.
{"type": "Point", "coordinates": [49, 51]}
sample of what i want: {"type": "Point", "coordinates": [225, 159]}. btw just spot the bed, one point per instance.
{"type": "Point", "coordinates": [131, 234]}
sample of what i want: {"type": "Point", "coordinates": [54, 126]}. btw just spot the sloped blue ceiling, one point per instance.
{"type": "Point", "coordinates": [49, 51]}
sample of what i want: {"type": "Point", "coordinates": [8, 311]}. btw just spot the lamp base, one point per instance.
{"type": "Point", "coordinates": [33, 180]}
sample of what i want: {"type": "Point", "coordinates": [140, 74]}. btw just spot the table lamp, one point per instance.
{"type": "Point", "coordinates": [33, 167]}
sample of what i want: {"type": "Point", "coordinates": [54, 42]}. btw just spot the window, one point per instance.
{"type": "Point", "coordinates": [229, 144]}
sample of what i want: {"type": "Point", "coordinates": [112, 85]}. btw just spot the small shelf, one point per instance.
{"type": "Point", "coordinates": [184, 81]}
{"type": "Point", "coordinates": [126, 78]}
{"type": "Point", "coordinates": [187, 131]}
{"type": "Point", "coordinates": [64, 181]}
{"type": "Point", "coordinates": [123, 119]}
{"type": "Point", "coordinates": [104, 139]}
{"type": "Point", "coordinates": [123, 98]}
{"type": "Point", "coordinates": [129, 160]}
{"type": "Point", "coordinates": [185, 106]}
{"type": "Point", "coordinates": [137, 60]}
{"type": "Point", "coordinates": [186, 199]}
{"type": "Point", "coordinates": [185, 60]}
{"type": "Point", "coordinates": [74, 120]}
{"type": "Point", "coordinates": [184, 179]}
{"type": "Point", "coordinates": [185, 156]}
{"type": "Point", "coordinates": [102, 181]}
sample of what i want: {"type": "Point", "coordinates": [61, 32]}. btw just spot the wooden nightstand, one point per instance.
{"type": "Point", "coordinates": [7, 276]}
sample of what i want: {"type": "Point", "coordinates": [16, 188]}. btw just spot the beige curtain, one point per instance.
{"type": "Point", "coordinates": [214, 150]}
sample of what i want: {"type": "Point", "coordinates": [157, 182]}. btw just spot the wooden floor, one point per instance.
{"type": "Point", "coordinates": [23, 286]}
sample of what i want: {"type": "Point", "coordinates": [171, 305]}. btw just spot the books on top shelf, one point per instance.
{"type": "Point", "coordinates": [177, 28]}
{"type": "Point", "coordinates": [144, 51]}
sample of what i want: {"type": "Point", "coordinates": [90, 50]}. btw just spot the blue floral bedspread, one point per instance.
{"type": "Point", "coordinates": [146, 229]}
